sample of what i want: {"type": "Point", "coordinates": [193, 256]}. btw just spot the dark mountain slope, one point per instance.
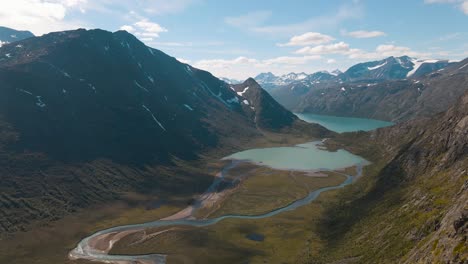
{"type": "Point", "coordinates": [9, 35]}
{"type": "Point", "coordinates": [413, 202]}
{"type": "Point", "coordinates": [86, 116]}
{"type": "Point", "coordinates": [66, 91]}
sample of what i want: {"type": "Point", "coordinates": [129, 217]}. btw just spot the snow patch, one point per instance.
{"type": "Point", "coordinates": [243, 92]}
{"type": "Point", "coordinates": [376, 67]}
{"type": "Point", "coordinates": [154, 118]}
{"type": "Point", "coordinates": [188, 107]}
{"type": "Point", "coordinates": [417, 64]}
{"type": "Point", "coordinates": [19, 46]}
{"type": "Point", "coordinates": [26, 92]}
{"type": "Point", "coordinates": [92, 87]}
{"type": "Point", "coordinates": [150, 78]}
{"type": "Point", "coordinates": [143, 88]}
{"type": "Point", "coordinates": [463, 66]}
{"type": "Point", "coordinates": [343, 89]}
{"type": "Point", "coordinates": [246, 102]}
{"type": "Point", "coordinates": [8, 55]}
{"type": "Point", "coordinates": [39, 102]}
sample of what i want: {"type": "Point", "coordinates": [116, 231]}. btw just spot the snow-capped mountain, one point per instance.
{"type": "Point", "coordinates": [8, 35]}
{"type": "Point", "coordinates": [269, 81]}
{"type": "Point", "coordinates": [324, 76]}
{"type": "Point", "coordinates": [393, 68]}
{"type": "Point", "coordinates": [366, 74]}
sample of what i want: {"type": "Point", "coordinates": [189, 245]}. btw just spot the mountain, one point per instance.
{"type": "Point", "coordinates": [394, 100]}
{"type": "Point", "coordinates": [414, 199]}
{"type": "Point", "coordinates": [269, 80]}
{"type": "Point", "coordinates": [88, 115]}
{"type": "Point", "coordinates": [8, 35]}
{"type": "Point", "coordinates": [267, 113]}
{"type": "Point", "coordinates": [393, 68]}
{"type": "Point", "coordinates": [291, 94]}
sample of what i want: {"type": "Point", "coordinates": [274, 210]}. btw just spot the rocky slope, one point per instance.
{"type": "Point", "coordinates": [396, 100]}
{"type": "Point", "coordinates": [88, 115]}
{"type": "Point", "coordinates": [393, 68]}
{"type": "Point", "coordinates": [413, 202]}
{"type": "Point", "coordinates": [267, 113]}
{"type": "Point", "coordinates": [308, 94]}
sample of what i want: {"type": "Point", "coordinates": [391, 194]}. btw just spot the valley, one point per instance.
{"type": "Point", "coordinates": [185, 132]}
{"type": "Point", "coordinates": [97, 246]}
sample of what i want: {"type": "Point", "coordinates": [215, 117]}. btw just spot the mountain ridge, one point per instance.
{"type": "Point", "coordinates": [9, 35]}
{"type": "Point", "coordinates": [87, 115]}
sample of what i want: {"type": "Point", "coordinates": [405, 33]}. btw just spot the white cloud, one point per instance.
{"type": "Point", "coordinates": [461, 4]}
{"type": "Point", "coordinates": [440, 1]}
{"type": "Point", "coordinates": [128, 28]}
{"type": "Point", "coordinates": [168, 7]}
{"type": "Point", "coordinates": [184, 60]}
{"type": "Point", "coordinates": [149, 29]}
{"type": "Point", "coordinates": [144, 29]}
{"type": "Point", "coordinates": [291, 60]}
{"type": "Point", "coordinates": [248, 20]}
{"type": "Point", "coordinates": [243, 67]}
{"type": "Point", "coordinates": [309, 38]}
{"type": "Point", "coordinates": [464, 7]}
{"type": "Point", "coordinates": [331, 61]}
{"type": "Point", "coordinates": [344, 13]}
{"type": "Point", "coordinates": [344, 49]}
{"type": "Point", "coordinates": [336, 48]}
{"type": "Point", "coordinates": [365, 34]}
{"type": "Point", "coordinates": [383, 51]}
{"type": "Point", "coordinates": [41, 16]}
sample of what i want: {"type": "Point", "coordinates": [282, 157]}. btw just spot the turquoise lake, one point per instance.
{"type": "Point", "coordinates": [307, 157]}
{"type": "Point", "coordinates": [344, 124]}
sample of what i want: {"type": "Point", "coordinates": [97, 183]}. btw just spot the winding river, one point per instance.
{"type": "Point", "coordinates": [306, 157]}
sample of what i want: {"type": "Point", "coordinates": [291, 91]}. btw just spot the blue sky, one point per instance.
{"type": "Point", "coordinates": [242, 38]}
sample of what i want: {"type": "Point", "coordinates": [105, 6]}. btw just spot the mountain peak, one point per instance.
{"type": "Point", "coordinates": [251, 80]}
{"type": "Point", "coordinates": [9, 35]}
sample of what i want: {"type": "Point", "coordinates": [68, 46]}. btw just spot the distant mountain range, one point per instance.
{"type": "Point", "coordinates": [391, 68]}
{"type": "Point", "coordinates": [394, 100]}
{"type": "Point", "coordinates": [370, 83]}
{"type": "Point", "coordinates": [8, 35]}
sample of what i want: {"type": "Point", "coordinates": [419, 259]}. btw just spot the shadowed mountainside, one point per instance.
{"type": "Point", "coordinates": [87, 115]}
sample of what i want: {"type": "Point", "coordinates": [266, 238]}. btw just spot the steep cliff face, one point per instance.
{"type": "Point", "coordinates": [412, 206]}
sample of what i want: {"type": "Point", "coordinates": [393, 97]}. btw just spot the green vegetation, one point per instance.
{"type": "Point", "coordinates": [266, 189]}
{"type": "Point", "coordinates": [288, 236]}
